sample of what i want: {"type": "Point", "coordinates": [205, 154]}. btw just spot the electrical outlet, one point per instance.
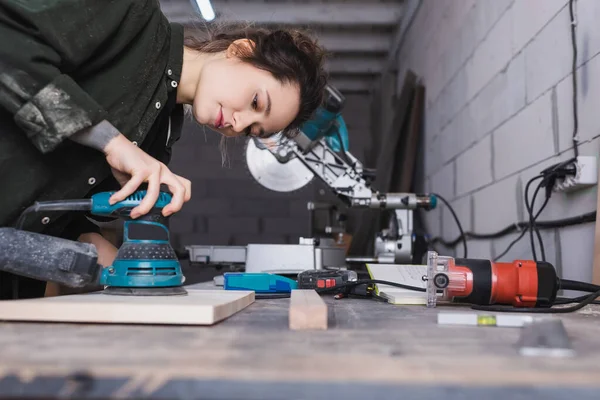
{"type": "Point", "coordinates": [586, 176]}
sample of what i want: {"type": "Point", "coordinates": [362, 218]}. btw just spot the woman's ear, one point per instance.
{"type": "Point", "coordinates": [240, 47]}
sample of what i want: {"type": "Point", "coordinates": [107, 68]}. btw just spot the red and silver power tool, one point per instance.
{"type": "Point", "coordinates": [521, 283]}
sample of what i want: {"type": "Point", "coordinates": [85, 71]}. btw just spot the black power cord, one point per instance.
{"type": "Point", "coordinates": [348, 285]}
{"type": "Point", "coordinates": [548, 178]}
{"type": "Point", "coordinates": [565, 284]}
{"type": "Point", "coordinates": [498, 257]}
{"type": "Point", "coordinates": [460, 229]}
{"type": "Point", "coordinates": [519, 226]}
{"type": "Point", "coordinates": [564, 300]}
{"type": "Point", "coordinates": [574, 78]}
{"type": "Point", "coordinates": [587, 300]}
{"type": "Point", "coordinates": [532, 228]}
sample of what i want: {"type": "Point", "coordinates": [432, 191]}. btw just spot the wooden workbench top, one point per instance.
{"type": "Point", "coordinates": [371, 349]}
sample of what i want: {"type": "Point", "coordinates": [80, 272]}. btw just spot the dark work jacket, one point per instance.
{"type": "Point", "coordinates": [66, 65]}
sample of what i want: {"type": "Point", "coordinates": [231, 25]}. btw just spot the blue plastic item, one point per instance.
{"type": "Point", "coordinates": [101, 206]}
{"type": "Point", "coordinates": [329, 125]}
{"type": "Point", "coordinates": [258, 282]}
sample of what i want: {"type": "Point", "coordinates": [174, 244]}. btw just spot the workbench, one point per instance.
{"type": "Point", "coordinates": [370, 350]}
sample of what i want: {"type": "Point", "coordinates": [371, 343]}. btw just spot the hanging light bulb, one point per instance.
{"type": "Point", "coordinates": [206, 9]}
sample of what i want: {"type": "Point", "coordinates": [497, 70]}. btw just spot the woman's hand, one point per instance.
{"type": "Point", "coordinates": [131, 167]}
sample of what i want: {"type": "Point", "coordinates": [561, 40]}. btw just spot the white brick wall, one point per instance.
{"type": "Point", "coordinates": [525, 138]}
{"type": "Point", "coordinates": [588, 97]}
{"type": "Point", "coordinates": [587, 16]}
{"type": "Point", "coordinates": [548, 56]}
{"type": "Point", "coordinates": [474, 167]}
{"type": "Point", "coordinates": [530, 17]}
{"type": "Point", "coordinates": [497, 205]}
{"type": "Point", "coordinates": [499, 110]}
{"type": "Point", "coordinates": [494, 52]}
{"type": "Point", "coordinates": [502, 98]}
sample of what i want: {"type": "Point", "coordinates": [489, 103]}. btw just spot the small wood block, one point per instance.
{"type": "Point", "coordinates": [307, 310]}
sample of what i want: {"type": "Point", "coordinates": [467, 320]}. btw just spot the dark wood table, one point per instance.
{"type": "Point", "coordinates": [371, 350]}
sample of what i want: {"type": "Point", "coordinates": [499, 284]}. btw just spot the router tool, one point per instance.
{"type": "Point", "coordinates": [518, 286]}
{"type": "Point", "coordinates": [145, 265]}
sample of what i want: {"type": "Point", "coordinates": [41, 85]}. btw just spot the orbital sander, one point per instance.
{"type": "Point", "coordinates": [146, 263]}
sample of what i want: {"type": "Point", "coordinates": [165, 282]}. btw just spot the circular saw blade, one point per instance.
{"type": "Point", "coordinates": [276, 176]}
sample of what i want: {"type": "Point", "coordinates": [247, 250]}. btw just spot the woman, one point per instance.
{"type": "Point", "coordinates": [93, 93]}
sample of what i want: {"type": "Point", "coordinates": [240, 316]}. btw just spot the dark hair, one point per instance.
{"type": "Point", "coordinates": [290, 55]}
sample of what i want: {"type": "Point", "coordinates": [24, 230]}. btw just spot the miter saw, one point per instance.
{"type": "Point", "coordinates": [319, 148]}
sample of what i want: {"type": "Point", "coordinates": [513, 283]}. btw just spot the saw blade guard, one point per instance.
{"type": "Point", "coordinates": [269, 172]}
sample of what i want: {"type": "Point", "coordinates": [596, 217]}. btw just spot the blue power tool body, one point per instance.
{"type": "Point", "coordinates": [258, 282]}
{"type": "Point", "coordinates": [328, 122]}
{"type": "Point", "coordinates": [146, 260]}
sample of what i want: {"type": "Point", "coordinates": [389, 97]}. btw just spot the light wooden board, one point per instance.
{"type": "Point", "coordinates": [307, 310]}
{"type": "Point", "coordinates": [198, 307]}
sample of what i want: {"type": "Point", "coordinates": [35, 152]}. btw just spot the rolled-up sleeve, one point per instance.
{"type": "Point", "coordinates": [56, 112]}
{"type": "Point", "coordinates": [42, 45]}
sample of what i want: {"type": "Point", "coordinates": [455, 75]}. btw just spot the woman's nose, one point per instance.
{"type": "Point", "coordinates": [243, 120]}
{"type": "Point", "coordinates": [239, 123]}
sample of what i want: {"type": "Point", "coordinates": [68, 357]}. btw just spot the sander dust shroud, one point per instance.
{"type": "Point", "coordinates": [146, 263]}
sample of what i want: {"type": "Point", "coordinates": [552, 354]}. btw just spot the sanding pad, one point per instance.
{"type": "Point", "coordinates": [154, 291]}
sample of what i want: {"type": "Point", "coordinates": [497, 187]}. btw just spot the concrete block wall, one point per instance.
{"type": "Point", "coordinates": [499, 110]}
{"type": "Point", "coordinates": [228, 207]}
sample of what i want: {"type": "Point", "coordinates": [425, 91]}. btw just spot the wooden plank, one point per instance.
{"type": "Point", "coordinates": [407, 163]}
{"type": "Point", "coordinates": [393, 134]}
{"type": "Point", "coordinates": [596, 270]}
{"type": "Point", "coordinates": [198, 307]}
{"type": "Point", "coordinates": [307, 310]}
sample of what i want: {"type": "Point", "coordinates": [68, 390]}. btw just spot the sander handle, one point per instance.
{"type": "Point", "coordinates": [48, 258]}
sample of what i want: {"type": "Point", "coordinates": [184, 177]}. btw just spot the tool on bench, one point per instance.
{"type": "Point", "coordinates": [522, 283]}
{"type": "Point", "coordinates": [272, 283]}
{"type": "Point", "coordinates": [258, 282]}
{"type": "Point", "coordinates": [518, 286]}
{"type": "Point", "coordinates": [326, 279]}
{"type": "Point", "coordinates": [342, 283]}
{"type": "Point", "coordinates": [145, 265]}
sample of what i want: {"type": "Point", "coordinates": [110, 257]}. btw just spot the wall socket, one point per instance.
{"type": "Point", "coordinates": [586, 176]}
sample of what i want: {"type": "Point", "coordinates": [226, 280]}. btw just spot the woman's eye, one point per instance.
{"type": "Point", "coordinates": [255, 102]}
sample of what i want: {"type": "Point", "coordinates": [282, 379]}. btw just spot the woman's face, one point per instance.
{"type": "Point", "coordinates": [235, 98]}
